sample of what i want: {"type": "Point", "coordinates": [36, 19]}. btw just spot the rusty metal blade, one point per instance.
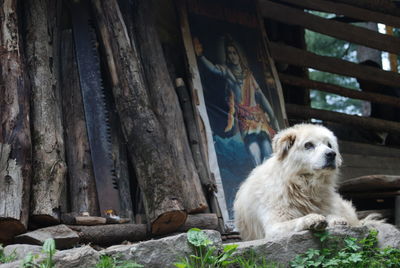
{"type": "Point", "coordinates": [96, 114]}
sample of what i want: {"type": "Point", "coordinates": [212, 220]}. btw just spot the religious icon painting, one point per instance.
{"type": "Point", "coordinates": [236, 92]}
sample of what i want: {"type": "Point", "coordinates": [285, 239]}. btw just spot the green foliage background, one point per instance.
{"type": "Point", "coordinates": [328, 46]}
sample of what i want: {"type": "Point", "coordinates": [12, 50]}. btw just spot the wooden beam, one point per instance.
{"type": "Point", "coordinates": [371, 183]}
{"type": "Point", "coordinates": [347, 92]}
{"type": "Point", "coordinates": [364, 122]}
{"type": "Point", "coordinates": [299, 57]}
{"type": "Point", "coordinates": [361, 14]}
{"type": "Point", "coordinates": [370, 195]}
{"type": "Point", "coordinates": [384, 6]}
{"type": "Point", "coordinates": [332, 28]}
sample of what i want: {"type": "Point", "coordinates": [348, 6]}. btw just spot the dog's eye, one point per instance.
{"type": "Point", "coordinates": [329, 145]}
{"type": "Point", "coordinates": [309, 145]}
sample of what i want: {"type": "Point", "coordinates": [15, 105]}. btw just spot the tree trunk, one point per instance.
{"type": "Point", "coordinates": [82, 187]}
{"type": "Point", "coordinates": [145, 136]}
{"type": "Point", "coordinates": [166, 105]}
{"type": "Point", "coordinates": [49, 166]}
{"type": "Point", "coordinates": [15, 137]}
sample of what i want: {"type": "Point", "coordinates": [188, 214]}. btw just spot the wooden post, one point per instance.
{"type": "Point", "coordinates": [204, 172]}
{"type": "Point", "coordinates": [49, 178]}
{"type": "Point", "coordinates": [15, 137]}
{"type": "Point", "coordinates": [82, 187]}
{"type": "Point", "coordinates": [151, 153]}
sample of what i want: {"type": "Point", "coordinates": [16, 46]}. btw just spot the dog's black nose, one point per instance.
{"type": "Point", "coordinates": [330, 156]}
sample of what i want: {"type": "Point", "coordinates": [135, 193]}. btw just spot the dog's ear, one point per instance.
{"type": "Point", "coordinates": [282, 143]}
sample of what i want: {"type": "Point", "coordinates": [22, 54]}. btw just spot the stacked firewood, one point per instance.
{"type": "Point", "coordinates": [45, 163]}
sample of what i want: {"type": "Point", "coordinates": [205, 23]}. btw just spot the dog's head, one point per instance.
{"type": "Point", "coordinates": [311, 148]}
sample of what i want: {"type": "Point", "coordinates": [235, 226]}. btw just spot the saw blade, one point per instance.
{"type": "Point", "coordinates": [95, 108]}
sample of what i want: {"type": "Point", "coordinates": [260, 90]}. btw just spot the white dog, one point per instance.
{"type": "Point", "coordinates": [294, 190]}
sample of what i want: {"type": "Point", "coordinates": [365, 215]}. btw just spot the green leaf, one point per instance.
{"type": "Point", "coordinates": [180, 265]}
{"type": "Point", "coordinates": [198, 238]}
{"type": "Point", "coordinates": [49, 246]}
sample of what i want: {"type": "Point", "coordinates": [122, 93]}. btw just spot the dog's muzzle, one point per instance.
{"type": "Point", "coordinates": [330, 160]}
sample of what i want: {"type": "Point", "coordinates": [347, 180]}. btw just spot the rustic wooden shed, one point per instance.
{"type": "Point", "coordinates": [157, 145]}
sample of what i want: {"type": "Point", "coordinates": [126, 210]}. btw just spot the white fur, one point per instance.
{"type": "Point", "coordinates": [293, 190]}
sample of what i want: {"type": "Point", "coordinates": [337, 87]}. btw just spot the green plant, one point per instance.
{"type": "Point", "coordinates": [6, 258]}
{"type": "Point", "coordinates": [113, 262]}
{"type": "Point", "coordinates": [206, 256]}
{"type": "Point", "coordinates": [348, 253]}
{"type": "Point", "coordinates": [252, 260]}
{"type": "Point", "coordinates": [49, 248]}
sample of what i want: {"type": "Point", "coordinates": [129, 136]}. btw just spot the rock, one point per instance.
{"type": "Point", "coordinates": [160, 253]}
{"type": "Point", "coordinates": [77, 257]}
{"type": "Point", "coordinates": [280, 250]}
{"type": "Point", "coordinates": [82, 257]}
{"type": "Point", "coordinates": [21, 250]}
{"type": "Point", "coordinates": [63, 236]}
{"type": "Point", "coordinates": [13, 264]}
{"type": "Point", "coordinates": [388, 235]}
{"type": "Point", "coordinates": [284, 249]}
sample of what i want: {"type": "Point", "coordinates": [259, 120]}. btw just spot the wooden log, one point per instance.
{"type": "Point", "coordinates": [15, 136]}
{"type": "Point", "coordinates": [49, 178]}
{"type": "Point", "coordinates": [347, 92]}
{"type": "Point", "coordinates": [340, 30]}
{"type": "Point", "coordinates": [371, 183]}
{"type": "Point", "coordinates": [82, 187]}
{"type": "Point", "coordinates": [112, 234]}
{"type": "Point", "coordinates": [386, 213]}
{"type": "Point", "coordinates": [383, 6]}
{"type": "Point", "coordinates": [299, 57]}
{"type": "Point", "coordinates": [365, 122]}
{"type": "Point", "coordinates": [202, 221]}
{"type": "Point", "coordinates": [90, 220]}
{"type": "Point", "coordinates": [347, 10]}
{"type": "Point", "coordinates": [166, 105]}
{"type": "Point", "coordinates": [370, 195]}
{"type": "Point", "coordinates": [203, 169]}
{"type": "Point", "coordinates": [145, 135]}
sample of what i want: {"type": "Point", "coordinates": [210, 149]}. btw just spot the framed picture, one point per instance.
{"type": "Point", "coordinates": [236, 92]}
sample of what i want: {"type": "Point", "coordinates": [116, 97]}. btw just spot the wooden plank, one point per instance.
{"type": "Point", "coordinates": [347, 173]}
{"type": "Point", "coordinates": [377, 162]}
{"type": "Point", "coordinates": [299, 57]}
{"type": "Point", "coordinates": [365, 122]}
{"type": "Point", "coordinates": [348, 10]}
{"type": "Point", "coordinates": [371, 183]}
{"type": "Point", "coordinates": [384, 6]}
{"type": "Point", "coordinates": [340, 30]}
{"type": "Point", "coordinates": [367, 149]}
{"type": "Point", "coordinates": [347, 92]}
{"type": "Point", "coordinates": [369, 195]}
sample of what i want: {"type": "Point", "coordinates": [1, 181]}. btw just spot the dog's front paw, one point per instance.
{"type": "Point", "coordinates": [312, 222]}
{"type": "Point", "coordinates": [336, 221]}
